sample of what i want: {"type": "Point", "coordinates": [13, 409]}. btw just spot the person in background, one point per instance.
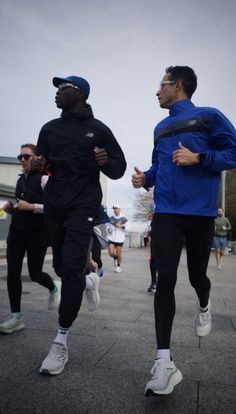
{"type": "Point", "coordinates": [145, 235]}
{"type": "Point", "coordinates": [98, 241]}
{"type": "Point", "coordinates": [191, 148]}
{"type": "Point", "coordinates": [76, 148]}
{"type": "Point", "coordinates": [222, 227]}
{"type": "Point", "coordinates": [152, 266]}
{"type": "Point", "coordinates": [116, 229]}
{"type": "Point", "coordinates": [27, 234]}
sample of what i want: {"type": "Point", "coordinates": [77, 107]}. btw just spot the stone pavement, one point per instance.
{"type": "Point", "coordinates": [111, 350]}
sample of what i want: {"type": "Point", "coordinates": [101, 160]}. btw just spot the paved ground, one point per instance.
{"type": "Point", "coordinates": [111, 350]}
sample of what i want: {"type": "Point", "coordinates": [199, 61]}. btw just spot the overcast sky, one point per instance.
{"type": "Point", "coordinates": [122, 48]}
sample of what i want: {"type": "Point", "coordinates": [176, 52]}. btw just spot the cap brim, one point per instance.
{"type": "Point", "coordinates": [57, 81]}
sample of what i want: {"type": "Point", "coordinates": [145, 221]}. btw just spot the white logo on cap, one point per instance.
{"type": "Point", "coordinates": [90, 134]}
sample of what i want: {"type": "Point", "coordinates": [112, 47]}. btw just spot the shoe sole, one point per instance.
{"type": "Point", "coordinates": [46, 372]}
{"type": "Point", "coordinates": [202, 334]}
{"type": "Point", "coordinates": [98, 297]}
{"type": "Point", "coordinates": [16, 329]}
{"type": "Point", "coordinates": [175, 379]}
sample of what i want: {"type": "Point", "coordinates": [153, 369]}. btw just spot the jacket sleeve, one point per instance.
{"type": "Point", "coordinates": [116, 165]}
{"type": "Point", "coordinates": [150, 175]}
{"type": "Point", "coordinates": [42, 144]}
{"type": "Point", "coordinates": [222, 153]}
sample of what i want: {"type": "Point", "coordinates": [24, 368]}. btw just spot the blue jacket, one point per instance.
{"type": "Point", "coordinates": [191, 190]}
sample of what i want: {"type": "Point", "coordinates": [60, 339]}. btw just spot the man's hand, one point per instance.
{"type": "Point", "coordinates": [24, 205]}
{"type": "Point", "coordinates": [38, 163]}
{"type": "Point", "coordinates": [138, 179]}
{"type": "Point", "coordinates": [120, 226]}
{"type": "Point", "coordinates": [182, 157]}
{"type": "Point", "coordinates": [8, 207]}
{"type": "Point", "coordinates": [101, 156]}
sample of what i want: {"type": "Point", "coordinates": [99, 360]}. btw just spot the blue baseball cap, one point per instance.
{"type": "Point", "coordinates": [75, 80]}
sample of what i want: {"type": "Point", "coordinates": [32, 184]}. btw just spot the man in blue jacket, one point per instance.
{"type": "Point", "coordinates": [191, 148]}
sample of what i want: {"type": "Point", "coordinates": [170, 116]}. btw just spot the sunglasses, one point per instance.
{"type": "Point", "coordinates": [67, 85]}
{"type": "Point", "coordinates": [163, 83]}
{"type": "Point", "coordinates": [25, 157]}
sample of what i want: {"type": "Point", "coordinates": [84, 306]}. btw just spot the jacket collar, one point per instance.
{"type": "Point", "coordinates": [180, 106]}
{"type": "Point", "coordinates": [87, 113]}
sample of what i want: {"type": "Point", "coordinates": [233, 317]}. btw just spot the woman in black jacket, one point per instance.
{"type": "Point", "coordinates": [27, 234]}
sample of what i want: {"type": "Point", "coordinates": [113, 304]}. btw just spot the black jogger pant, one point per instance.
{"type": "Point", "coordinates": [169, 233]}
{"type": "Point", "coordinates": [70, 236]}
{"type": "Point", "coordinates": [34, 243]}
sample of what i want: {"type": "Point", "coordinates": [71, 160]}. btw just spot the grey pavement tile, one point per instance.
{"type": "Point", "coordinates": [216, 398]}
{"type": "Point", "coordinates": [111, 351]}
{"type": "Point", "coordinates": [29, 353]}
{"type": "Point", "coordinates": [233, 320]}
{"type": "Point", "coordinates": [220, 340]}
{"type": "Point", "coordinates": [97, 391]}
{"type": "Point", "coordinates": [207, 365]}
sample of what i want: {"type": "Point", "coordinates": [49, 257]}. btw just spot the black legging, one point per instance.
{"type": "Point", "coordinates": [153, 271]}
{"type": "Point", "coordinates": [18, 243]}
{"type": "Point", "coordinates": [169, 231]}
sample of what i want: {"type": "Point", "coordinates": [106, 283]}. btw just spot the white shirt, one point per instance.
{"type": "Point", "coordinates": [117, 234]}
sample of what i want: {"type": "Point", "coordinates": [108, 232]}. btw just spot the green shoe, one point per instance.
{"type": "Point", "coordinates": [12, 325]}
{"type": "Point", "coordinates": [55, 296]}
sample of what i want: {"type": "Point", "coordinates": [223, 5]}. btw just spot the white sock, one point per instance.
{"type": "Point", "coordinates": [17, 315]}
{"type": "Point", "coordinates": [163, 354]}
{"type": "Point", "coordinates": [62, 335]}
{"type": "Point", "coordinates": [203, 309]}
{"type": "Point", "coordinates": [89, 283]}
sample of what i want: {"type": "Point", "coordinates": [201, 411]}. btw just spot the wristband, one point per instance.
{"type": "Point", "coordinates": [201, 157]}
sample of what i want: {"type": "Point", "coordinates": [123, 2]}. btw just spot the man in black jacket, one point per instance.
{"type": "Point", "coordinates": [76, 147]}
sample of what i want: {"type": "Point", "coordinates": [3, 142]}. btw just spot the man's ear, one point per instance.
{"type": "Point", "coordinates": [81, 95]}
{"type": "Point", "coordinates": [179, 84]}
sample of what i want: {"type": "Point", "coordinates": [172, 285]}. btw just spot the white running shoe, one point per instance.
{"type": "Point", "coordinates": [118, 269]}
{"type": "Point", "coordinates": [55, 296]}
{"type": "Point", "coordinates": [55, 361]}
{"type": "Point", "coordinates": [12, 325]}
{"type": "Point", "coordinates": [203, 321]}
{"type": "Point", "coordinates": [165, 376]}
{"type": "Point", "coordinates": [92, 295]}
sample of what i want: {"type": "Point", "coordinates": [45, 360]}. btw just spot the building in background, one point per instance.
{"type": "Point", "coordinates": [10, 168]}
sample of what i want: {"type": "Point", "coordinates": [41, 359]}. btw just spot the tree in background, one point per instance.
{"type": "Point", "coordinates": [143, 204]}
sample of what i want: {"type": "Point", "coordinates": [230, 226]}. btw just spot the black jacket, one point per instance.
{"type": "Point", "coordinates": [68, 144]}
{"type": "Point", "coordinates": [28, 189]}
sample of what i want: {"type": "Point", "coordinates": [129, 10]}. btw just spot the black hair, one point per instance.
{"type": "Point", "coordinates": [187, 75]}
{"type": "Point", "coordinates": [31, 146]}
